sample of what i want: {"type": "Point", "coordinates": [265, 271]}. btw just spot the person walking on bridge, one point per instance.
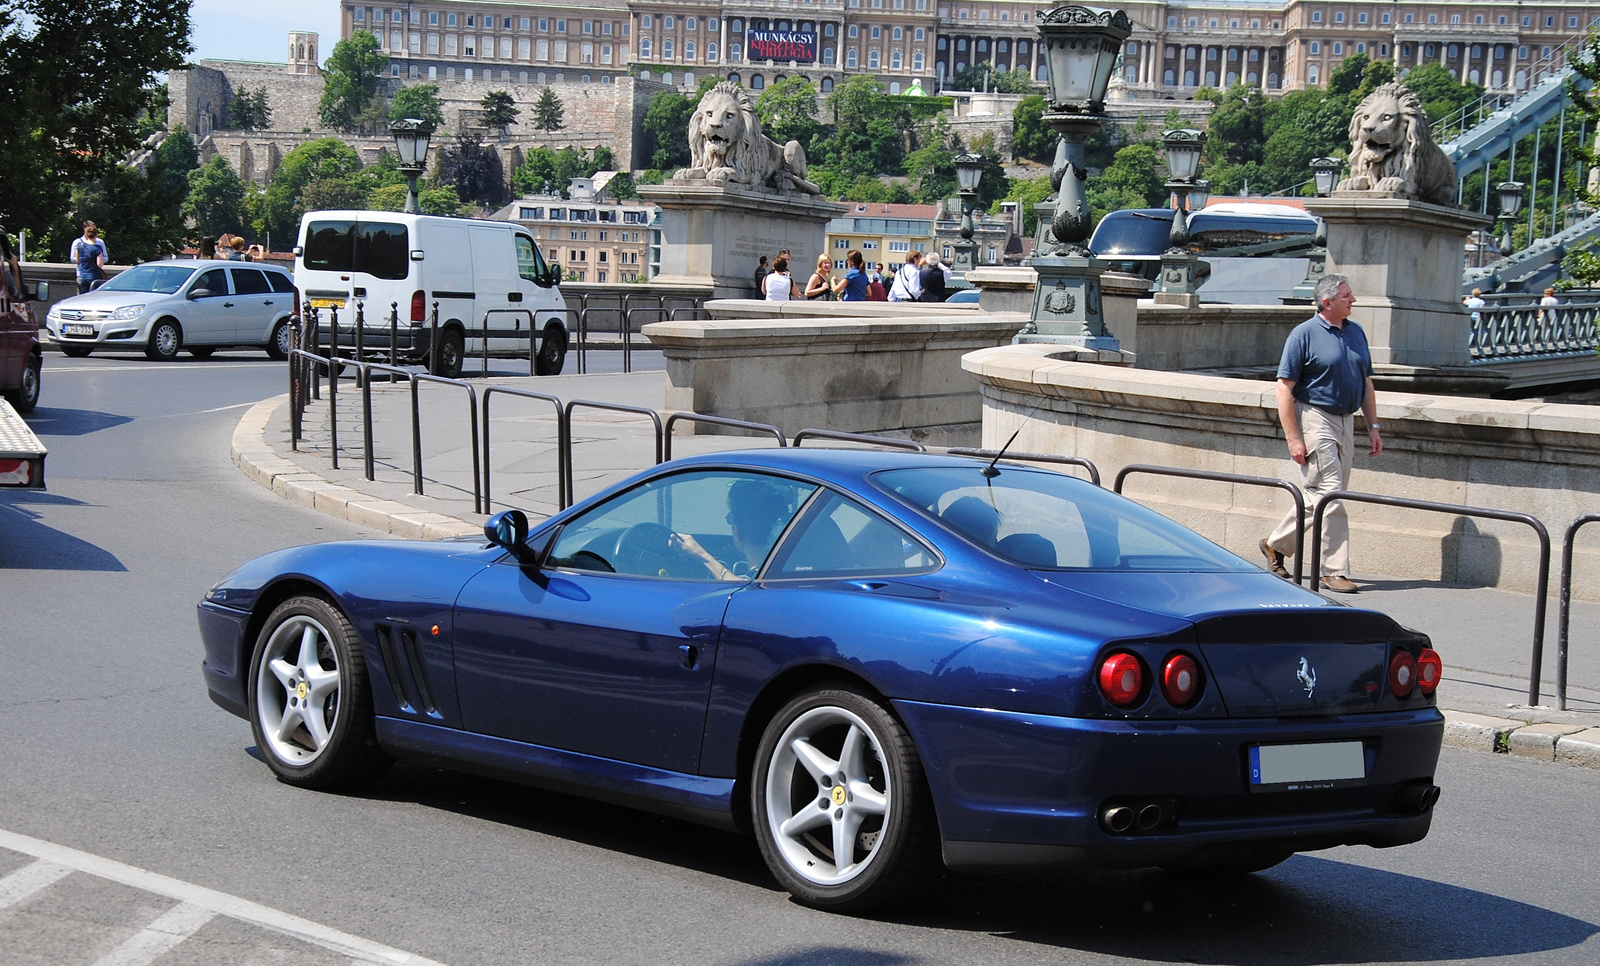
{"type": "Point", "coordinates": [1324, 377]}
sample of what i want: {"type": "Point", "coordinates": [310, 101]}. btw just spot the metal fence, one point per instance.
{"type": "Point", "coordinates": [1263, 481]}
{"type": "Point", "coordinates": [1504, 333]}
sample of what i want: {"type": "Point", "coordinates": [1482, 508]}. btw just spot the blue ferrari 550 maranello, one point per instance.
{"type": "Point", "coordinates": [874, 661]}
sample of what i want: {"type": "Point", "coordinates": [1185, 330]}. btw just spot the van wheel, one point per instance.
{"type": "Point", "coordinates": [552, 351]}
{"type": "Point", "coordinates": [447, 360]}
{"type": "Point", "coordinates": [26, 396]}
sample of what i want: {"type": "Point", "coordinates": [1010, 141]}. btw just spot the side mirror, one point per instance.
{"type": "Point", "coordinates": [41, 292]}
{"type": "Point", "coordinates": [508, 530]}
{"type": "Point", "coordinates": [198, 293]}
{"type": "Point", "coordinates": [298, 251]}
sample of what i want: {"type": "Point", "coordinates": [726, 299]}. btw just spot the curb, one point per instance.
{"type": "Point", "coordinates": [1567, 743]}
{"type": "Point", "coordinates": [251, 452]}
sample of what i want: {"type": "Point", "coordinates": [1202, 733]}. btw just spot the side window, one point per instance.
{"type": "Point", "coordinates": [711, 525]}
{"type": "Point", "coordinates": [839, 538]}
{"type": "Point", "coordinates": [216, 280]}
{"type": "Point", "coordinates": [249, 281]}
{"type": "Point", "coordinates": [280, 282]}
{"type": "Point", "coordinates": [530, 264]}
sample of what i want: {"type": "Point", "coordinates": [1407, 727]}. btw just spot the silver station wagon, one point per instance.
{"type": "Point", "coordinates": [164, 307]}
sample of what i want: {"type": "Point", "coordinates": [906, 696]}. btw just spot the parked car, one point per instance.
{"type": "Point", "coordinates": [964, 296]}
{"type": "Point", "coordinates": [872, 660]}
{"type": "Point", "coordinates": [20, 360]}
{"type": "Point", "coordinates": [488, 279]}
{"type": "Point", "coordinates": [195, 305]}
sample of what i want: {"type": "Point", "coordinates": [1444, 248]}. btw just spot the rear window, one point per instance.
{"type": "Point", "coordinates": [280, 282]}
{"type": "Point", "coordinates": [1133, 232]}
{"type": "Point", "coordinates": [249, 281]}
{"type": "Point", "coordinates": [379, 249]}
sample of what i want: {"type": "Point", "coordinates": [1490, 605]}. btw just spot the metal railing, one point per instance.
{"type": "Point", "coordinates": [364, 379]}
{"type": "Point", "coordinates": [576, 343]}
{"type": "Point", "coordinates": [653, 416]}
{"type": "Point", "coordinates": [989, 454]}
{"type": "Point", "coordinates": [627, 332]}
{"type": "Point", "coordinates": [417, 379]}
{"type": "Point", "coordinates": [676, 418]}
{"type": "Point", "coordinates": [483, 329]}
{"type": "Point", "coordinates": [1564, 610]}
{"type": "Point", "coordinates": [864, 438]}
{"type": "Point", "coordinates": [563, 443]}
{"type": "Point", "coordinates": [1510, 516]}
{"type": "Point", "coordinates": [1510, 332]}
{"type": "Point", "coordinates": [1263, 481]}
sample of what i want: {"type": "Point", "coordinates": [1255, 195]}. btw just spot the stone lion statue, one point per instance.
{"type": "Point", "coordinates": [1391, 149]}
{"type": "Point", "coordinates": [726, 146]}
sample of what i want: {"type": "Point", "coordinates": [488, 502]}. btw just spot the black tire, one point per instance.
{"type": "Point", "coordinates": [447, 359]}
{"type": "Point", "coordinates": [76, 351]}
{"type": "Point", "coordinates": [278, 345]}
{"type": "Point", "coordinates": [335, 745]}
{"type": "Point", "coordinates": [166, 338]}
{"type": "Point", "coordinates": [552, 351]}
{"type": "Point", "coordinates": [202, 352]}
{"type": "Point", "coordinates": [882, 809]}
{"type": "Point", "coordinates": [26, 396]}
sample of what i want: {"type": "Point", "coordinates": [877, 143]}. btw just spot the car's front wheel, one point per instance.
{"type": "Point", "coordinates": [278, 345]}
{"type": "Point", "coordinates": [26, 396]}
{"type": "Point", "coordinates": [842, 810]}
{"type": "Point", "coordinates": [310, 700]}
{"type": "Point", "coordinates": [165, 341]}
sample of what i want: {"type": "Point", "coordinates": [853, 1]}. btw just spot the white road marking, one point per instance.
{"type": "Point", "coordinates": [29, 879]}
{"type": "Point", "coordinates": [187, 367]}
{"type": "Point", "coordinates": [210, 900]}
{"type": "Point", "coordinates": [155, 940]}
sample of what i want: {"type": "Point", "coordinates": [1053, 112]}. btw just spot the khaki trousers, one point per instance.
{"type": "Point", "coordinates": [1330, 449]}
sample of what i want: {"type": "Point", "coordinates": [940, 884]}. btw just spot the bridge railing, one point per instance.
{"type": "Point", "coordinates": [1509, 332]}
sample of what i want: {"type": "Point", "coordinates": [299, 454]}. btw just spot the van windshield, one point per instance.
{"type": "Point", "coordinates": [379, 249]}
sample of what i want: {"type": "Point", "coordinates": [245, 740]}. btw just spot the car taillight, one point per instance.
{"type": "Point", "coordinates": [1122, 679]}
{"type": "Point", "coordinates": [1402, 673]}
{"type": "Point", "coordinates": [419, 308]}
{"type": "Point", "coordinates": [1430, 668]}
{"type": "Point", "coordinates": [1180, 680]}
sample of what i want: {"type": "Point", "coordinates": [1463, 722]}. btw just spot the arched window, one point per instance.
{"type": "Point", "coordinates": [734, 77]}
{"type": "Point", "coordinates": [644, 47]}
{"type": "Point", "coordinates": [1169, 78]}
{"type": "Point", "coordinates": [874, 59]}
{"type": "Point", "coordinates": [894, 87]}
{"type": "Point", "coordinates": [757, 82]}
{"type": "Point", "coordinates": [919, 35]}
{"type": "Point", "coordinates": [916, 60]}
{"type": "Point", "coordinates": [827, 56]}
{"type": "Point", "coordinates": [894, 60]}
{"type": "Point", "coordinates": [898, 34]}
{"type": "Point", "coordinates": [850, 59]}
{"type": "Point", "coordinates": [711, 52]}
{"type": "Point", "coordinates": [827, 84]}
{"type": "Point", "coordinates": [1188, 78]}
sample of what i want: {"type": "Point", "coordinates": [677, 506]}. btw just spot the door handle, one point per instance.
{"type": "Point", "coordinates": [689, 656]}
{"type": "Point", "coordinates": [227, 305]}
{"type": "Point", "coordinates": [267, 302]}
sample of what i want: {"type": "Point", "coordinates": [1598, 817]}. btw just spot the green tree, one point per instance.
{"type": "Point", "coordinates": [1236, 130]}
{"type": "Point", "coordinates": [542, 168]}
{"type": "Point", "coordinates": [666, 129]}
{"type": "Point", "coordinates": [419, 101]}
{"type": "Point", "coordinates": [1032, 139]}
{"type": "Point", "coordinates": [178, 156]}
{"type": "Point", "coordinates": [1027, 192]}
{"type": "Point", "coordinates": [433, 201]}
{"type": "Point", "coordinates": [137, 211]}
{"type": "Point", "coordinates": [1441, 94]}
{"type": "Point", "coordinates": [350, 81]}
{"type": "Point", "coordinates": [75, 91]}
{"type": "Point", "coordinates": [622, 187]}
{"type": "Point", "coordinates": [249, 109]}
{"type": "Point", "coordinates": [1136, 172]}
{"type": "Point", "coordinates": [474, 170]}
{"type": "Point", "coordinates": [984, 77]}
{"type": "Point", "coordinates": [499, 111]}
{"type": "Point", "coordinates": [216, 199]}
{"type": "Point", "coordinates": [932, 169]}
{"type": "Point", "coordinates": [327, 194]}
{"type": "Point", "coordinates": [548, 112]}
{"type": "Point", "coordinates": [281, 205]}
{"type": "Point", "coordinates": [788, 110]}
{"type": "Point", "coordinates": [1347, 77]}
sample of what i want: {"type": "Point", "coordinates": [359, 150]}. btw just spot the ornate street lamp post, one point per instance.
{"type": "Point", "coordinates": [1178, 263]}
{"type": "Point", "coordinates": [969, 172]}
{"type": "Point", "coordinates": [1081, 47]}
{"type": "Point", "coordinates": [1325, 176]}
{"type": "Point", "coordinates": [411, 138]}
{"type": "Point", "coordinates": [1510, 193]}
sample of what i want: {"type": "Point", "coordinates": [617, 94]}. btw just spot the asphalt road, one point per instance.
{"type": "Point", "coordinates": [108, 746]}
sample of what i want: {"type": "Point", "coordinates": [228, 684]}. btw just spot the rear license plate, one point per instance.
{"type": "Point", "coordinates": [327, 303]}
{"type": "Point", "coordinates": [1332, 764]}
{"type": "Point", "coordinates": [69, 329]}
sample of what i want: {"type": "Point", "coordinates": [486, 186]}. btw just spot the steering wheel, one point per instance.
{"type": "Point", "coordinates": [645, 550]}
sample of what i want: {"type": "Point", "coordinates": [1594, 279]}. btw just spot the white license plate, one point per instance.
{"type": "Point", "coordinates": [1302, 767]}
{"type": "Point", "coordinates": [77, 330]}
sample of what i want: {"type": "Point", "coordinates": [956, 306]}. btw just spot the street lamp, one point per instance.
{"type": "Point", "coordinates": [1325, 173]}
{"type": "Point", "coordinates": [1510, 193]}
{"type": "Point", "coordinates": [1178, 263]}
{"type": "Point", "coordinates": [411, 137]}
{"type": "Point", "coordinates": [969, 173]}
{"type": "Point", "coordinates": [1081, 47]}
{"type": "Point", "coordinates": [1577, 213]}
{"type": "Point", "coordinates": [1199, 194]}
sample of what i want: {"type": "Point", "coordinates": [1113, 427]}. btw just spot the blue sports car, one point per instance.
{"type": "Point", "coordinates": [874, 661]}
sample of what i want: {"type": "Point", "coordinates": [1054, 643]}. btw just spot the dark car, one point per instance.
{"type": "Point", "coordinates": [20, 356]}
{"type": "Point", "coordinates": [873, 661]}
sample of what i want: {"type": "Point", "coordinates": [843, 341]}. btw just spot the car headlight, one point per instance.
{"type": "Point", "coordinates": [127, 312]}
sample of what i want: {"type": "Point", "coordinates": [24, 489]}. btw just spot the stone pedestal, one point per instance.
{"type": "Point", "coordinates": [714, 235]}
{"type": "Point", "coordinates": [1404, 259]}
{"type": "Point", "coordinates": [1067, 306]}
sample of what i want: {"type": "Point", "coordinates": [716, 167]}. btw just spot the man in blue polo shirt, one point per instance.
{"type": "Point", "coordinates": [1325, 376]}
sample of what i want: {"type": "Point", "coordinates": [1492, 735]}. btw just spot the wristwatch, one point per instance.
{"type": "Point", "coordinates": [1374, 426]}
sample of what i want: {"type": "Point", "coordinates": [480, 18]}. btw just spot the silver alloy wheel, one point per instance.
{"type": "Point", "coordinates": [166, 340]}
{"type": "Point", "coordinates": [297, 690]}
{"type": "Point", "coordinates": [280, 338]}
{"type": "Point", "coordinates": [828, 795]}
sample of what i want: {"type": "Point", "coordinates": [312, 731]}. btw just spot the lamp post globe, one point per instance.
{"type": "Point", "coordinates": [1325, 174]}
{"type": "Point", "coordinates": [1510, 193]}
{"type": "Point", "coordinates": [411, 140]}
{"type": "Point", "coordinates": [1199, 194]}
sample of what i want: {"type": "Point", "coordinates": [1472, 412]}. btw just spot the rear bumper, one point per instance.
{"type": "Point", "coordinates": [1018, 790]}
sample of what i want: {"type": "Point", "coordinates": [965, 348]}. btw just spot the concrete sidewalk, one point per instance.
{"type": "Point", "coordinates": [1485, 636]}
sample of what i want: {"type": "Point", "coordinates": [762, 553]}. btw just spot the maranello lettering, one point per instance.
{"type": "Point", "coordinates": [783, 45]}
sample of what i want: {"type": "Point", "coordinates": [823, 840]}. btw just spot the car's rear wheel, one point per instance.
{"type": "Point", "coordinates": [165, 341]}
{"type": "Point", "coordinates": [552, 353]}
{"type": "Point", "coordinates": [447, 359]}
{"type": "Point", "coordinates": [26, 396]}
{"type": "Point", "coordinates": [202, 352]}
{"type": "Point", "coordinates": [278, 345]}
{"type": "Point", "coordinates": [76, 351]}
{"type": "Point", "coordinates": [310, 700]}
{"type": "Point", "coordinates": [842, 810]}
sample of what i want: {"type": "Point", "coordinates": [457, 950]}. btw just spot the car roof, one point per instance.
{"type": "Point", "coordinates": [842, 467]}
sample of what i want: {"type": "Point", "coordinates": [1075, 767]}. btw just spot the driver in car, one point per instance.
{"type": "Point", "coordinates": [756, 511]}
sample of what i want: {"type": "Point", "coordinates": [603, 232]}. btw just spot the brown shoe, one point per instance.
{"type": "Point", "coordinates": [1274, 561]}
{"type": "Point", "coordinates": [1340, 585]}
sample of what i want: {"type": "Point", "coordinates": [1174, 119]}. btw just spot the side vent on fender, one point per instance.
{"type": "Point", "coordinates": [391, 666]}
{"type": "Point", "coordinates": [419, 674]}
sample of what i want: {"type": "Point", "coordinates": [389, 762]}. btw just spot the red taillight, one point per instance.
{"type": "Point", "coordinates": [1402, 673]}
{"type": "Point", "coordinates": [419, 308]}
{"type": "Point", "coordinates": [1180, 680]}
{"type": "Point", "coordinates": [1122, 679]}
{"type": "Point", "coordinates": [1430, 668]}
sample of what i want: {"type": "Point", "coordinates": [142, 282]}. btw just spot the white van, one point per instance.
{"type": "Point", "coordinates": [488, 278]}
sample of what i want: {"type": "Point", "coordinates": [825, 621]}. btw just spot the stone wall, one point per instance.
{"type": "Point", "coordinates": [1525, 456]}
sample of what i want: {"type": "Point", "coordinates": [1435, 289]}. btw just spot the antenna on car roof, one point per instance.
{"type": "Point", "coordinates": [990, 471]}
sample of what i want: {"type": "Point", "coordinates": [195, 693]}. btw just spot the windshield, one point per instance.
{"type": "Point", "coordinates": [164, 279]}
{"type": "Point", "coordinates": [1133, 232]}
{"type": "Point", "coordinates": [1050, 521]}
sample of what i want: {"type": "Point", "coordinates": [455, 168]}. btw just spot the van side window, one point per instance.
{"type": "Point", "coordinates": [530, 263]}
